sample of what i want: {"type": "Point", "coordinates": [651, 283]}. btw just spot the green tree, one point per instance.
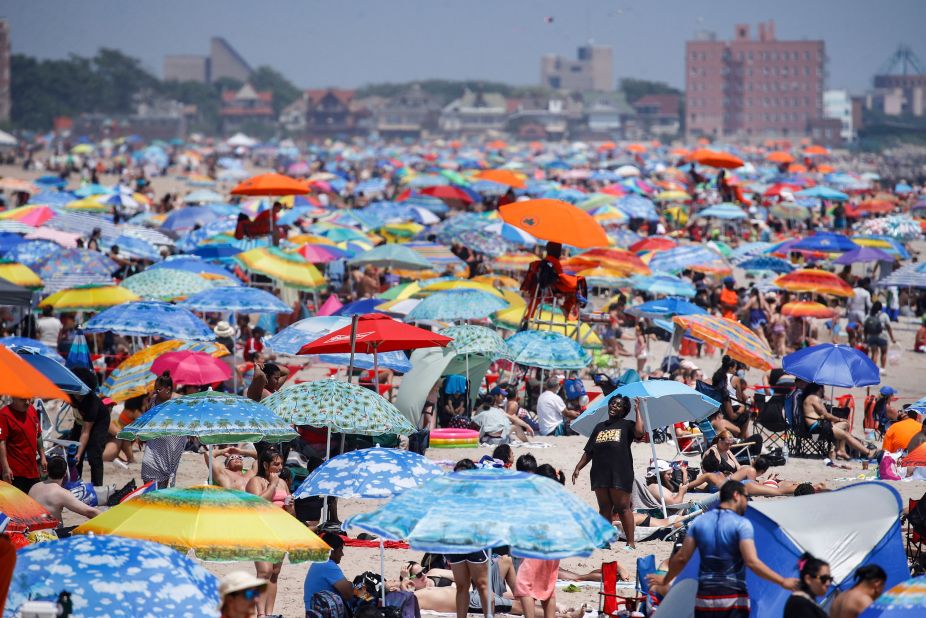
{"type": "Point", "coordinates": [636, 89]}
{"type": "Point", "coordinates": [284, 92]}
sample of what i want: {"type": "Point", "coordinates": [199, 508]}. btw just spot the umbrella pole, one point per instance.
{"type": "Point", "coordinates": [234, 352]}
{"type": "Point", "coordinates": [210, 464]}
{"type": "Point", "coordinates": [327, 457]}
{"type": "Point", "coordinates": [652, 444]}
{"type": "Point", "coordinates": [382, 569]}
{"type": "Point", "coordinates": [376, 375]}
{"type": "Point", "coordinates": [353, 345]}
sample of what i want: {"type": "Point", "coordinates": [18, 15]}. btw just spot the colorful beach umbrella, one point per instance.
{"type": "Point", "coordinates": [905, 600]}
{"type": "Point", "coordinates": [548, 319]}
{"type": "Point", "coordinates": [555, 221]}
{"type": "Point", "coordinates": [165, 284]}
{"type": "Point", "coordinates": [213, 523]}
{"type": "Point", "coordinates": [67, 261]}
{"type": "Point", "coordinates": [186, 367]}
{"type": "Point", "coordinates": [815, 281]}
{"type": "Point", "coordinates": [683, 257]}
{"type": "Point", "coordinates": [370, 473]}
{"type": "Point", "coordinates": [825, 242]}
{"type": "Point", "coordinates": [454, 305]}
{"type": "Point", "coordinates": [392, 256]}
{"type": "Point", "coordinates": [19, 274]}
{"type": "Point", "coordinates": [89, 298]}
{"type": "Point", "coordinates": [238, 299]}
{"type": "Point", "coordinates": [475, 340]}
{"type": "Point", "coordinates": [291, 269]}
{"type": "Point", "coordinates": [547, 350]}
{"type": "Point", "coordinates": [738, 341]}
{"type": "Point", "coordinates": [807, 309]}
{"type": "Point", "coordinates": [133, 377]}
{"type": "Point", "coordinates": [767, 262]}
{"type": "Point", "coordinates": [150, 318]}
{"type": "Point", "coordinates": [662, 284]}
{"type": "Point", "coordinates": [25, 514]}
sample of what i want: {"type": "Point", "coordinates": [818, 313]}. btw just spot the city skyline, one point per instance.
{"type": "Point", "coordinates": [495, 41]}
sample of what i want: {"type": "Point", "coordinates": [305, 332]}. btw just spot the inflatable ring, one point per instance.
{"type": "Point", "coordinates": [474, 444]}
{"type": "Point", "coordinates": [451, 433]}
{"type": "Point", "coordinates": [446, 441]}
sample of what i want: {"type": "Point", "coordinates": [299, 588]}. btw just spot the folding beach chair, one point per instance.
{"type": "Point", "coordinates": [609, 602]}
{"type": "Point", "coordinates": [915, 539]}
{"type": "Point", "coordinates": [646, 566]}
{"type": "Point", "coordinates": [802, 442]}
{"type": "Point", "coordinates": [770, 423]}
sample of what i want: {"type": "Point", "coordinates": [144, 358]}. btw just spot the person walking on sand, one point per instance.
{"type": "Point", "coordinates": [725, 540]}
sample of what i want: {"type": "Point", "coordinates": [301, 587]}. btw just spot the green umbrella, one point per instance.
{"type": "Point", "coordinates": [455, 177]}
{"type": "Point", "coordinates": [472, 339]}
{"type": "Point", "coordinates": [392, 256]}
{"type": "Point", "coordinates": [166, 284]}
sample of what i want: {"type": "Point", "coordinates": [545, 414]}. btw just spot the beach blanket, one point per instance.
{"type": "Point", "coordinates": [371, 543]}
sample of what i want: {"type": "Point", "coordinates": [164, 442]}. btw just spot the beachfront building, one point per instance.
{"type": "Point", "coordinates": [658, 114]}
{"type": "Point", "coordinates": [543, 117]}
{"type": "Point", "coordinates": [223, 62]}
{"type": "Point", "coordinates": [474, 113]}
{"type": "Point", "coordinates": [245, 107]}
{"type": "Point", "coordinates": [753, 87]}
{"type": "Point", "coordinates": [593, 69]}
{"type": "Point", "coordinates": [607, 116]}
{"type": "Point", "coordinates": [5, 50]}
{"type": "Point", "coordinates": [331, 113]}
{"type": "Point", "coordinates": [838, 104]}
{"type": "Point", "coordinates": [410, 113]}
{"type": "Point", "coordinates": [900, 86]}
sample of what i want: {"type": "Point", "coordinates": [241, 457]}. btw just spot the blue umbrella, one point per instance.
{"type": "Point", "coordinates": [864, 254]}
{"type": "Point", "coordinates": [55, 182]}
{"type": "Point", "coordinates": [193, 264]}
{"type": "Point", "coordinates": [137, 248]}
{"type": "Point", "coordinates": [237, 300]}
{"type": "Point", "coordinates": [369, 473]}
{"type": "Point", "coordinates": [767, 262]}
{"type": "Point", "coordinates": [832, 365]}
{"type": "Point", "coordinates": [32, 252]}
{"type": "Point", "coordinates": [472, 510]}
{"type": "Point", "coordinates": [664, 307]}
{"type": "Point", "coordinates": [547, 350]}
{"type": "Point", "coordinates": [151, 319]}
{"type": "Point", "coordinates": [679, 258]}
{"type": "Point", "coordinates": [217, 251]}
{"type": "Point", "coordinates": [25, 342]}
{"type": "Point", "coordinates": [826, 242]}
{"type": "Point", "coordinates": [823, 193]}
{"type": "Point", "coordinates": [663, 284]}
{"type": "Point", "coordinates": [60, 375]}
{"type": "Point", "coordinates": [53, 198]}
{"type": "Point", "coordinates": [749, 249]}
{"type": "Point", "coordinates": [395, 360]}
{"type": "Point", "coordinates": [291, 339]}
{"type": "Point", "coordinates": [113, 576]}
{"type": "Point", "coordinates": [79, 352]}
{"type": "Point", "coordinates": [189, 217]}
{"type": "Point", "coordinates": [8, 240]}
{"type": "Point", "coordinates": [727, 212]}
{"type": "Point", "coordinates": [462, 304]}
{"type": "Point", "coordinates": [637, 207]}
{"type": "Point", "coordinates": [359, 307]}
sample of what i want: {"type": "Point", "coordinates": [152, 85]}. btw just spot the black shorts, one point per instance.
{"type": "Point", "coordinates": [823, 428]}
{"type": "Point", "coordinates": [476, 557]}
{"type": "Point", "coordinates": [611, 478]}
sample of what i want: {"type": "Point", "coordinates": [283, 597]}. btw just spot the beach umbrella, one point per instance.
{"type": "Point", "coordinates": [113, 576]}
{"type": "Point", "coordinates": [791, 211]}
{"type": "Point", "coordinates": [664, 307]}
{"type": "Point", "coordinates": [712, 158]}
{"type": "Point", "coordinates": [133, 377]}
{"type": "Point", "coordinates": [19, 274]}
{"type": "Point", "coordinates": [30, 214]}
{"type": "Point", "coordinates": [825, 242]}
{"type": "Point", "coordinates": [905, 600]}
{"type": "Point", "coordinates": [213, 417]}
{"type": "Point", "coordinates": [192, 264]}
{"type": "Point", "coordinates": [392, 256]}
{"type": "Point", "coordinates": [727, 212]}
{"type": "Point", "coordinates": [748, 250]}
{"type": "Point", "coordinates": [213, 523]}
{"type": "Point", "coordinates": [318, 253]}
{"type": "Point", "coordinates": [15, 343]}
{"type": "Point", "coordinates": [292, 338]}
{"type": "Point", "coordinates": [864, 255]}
{"type": "Point", "coordinates": [683, 257]}
{"type": "Point", "coordinates": [653, 243]}
{"type": "Point", "coordinates": [236, 300]}
{"type": "Point", "coordinates": [547, 350]}
{"type": "Point", "coordinates": [887, 244]}
{"type": "Point", "coordinates": [738, 341]}
{"type": "Point", "coordinates": [189, 217]}
{"type": "Point", "coordinates": [24, 513]}
{"type": "Point", "coordinates": [815, 281]}
{"type": "Point", "coordinates": [165, 284]}
{"type": "Point", "coordinates": [60, 376]}
{"type": "Point", "coordinates": [637, 207]}
{"type": "Point", "coordinates": [824, 193]}
{"type": "Point", "coordinates": [432, 286]}
{"type": "Point", "coordinates": [447, 192]}
{"type": "Point", "coordinates": [65, 261]}
{"type": "Point", "coordinates": [89, 298]}
{"type": "Point", "coordinates": [291, 269]}
{"type": "Point", "coordinates": [186, 367]}
{"type": "Point", "coordinates": [469, 339]}
{"type": "Point", "coordinates": [807, 309]}
{"type": "Point", "coordinates": [19, 379]}
{"type": "Point", "coordinates": [203, 196]}
{"type": "Point", "coordinates": [270, 184]}
{"type": "Point", "coordinates": [79, 352]}
{"type": "Point", "coordinates": [372, 333]}
{"type": "Point", "coordinates": [832, 365]}
{"type": "Point", "coordinates": [908, 276]}
{"type": "Point", "coordinates": [662, 284]}
{"type": "Point", "coordinates": [618, 259]}
{"type": "Point", "coordinates": [150, 318]}
{"type": "Point", "coordinates": [555, 221]}
{"type": "Point", "coordinates": [503, 177]}
{"type": "Point", "coordinates": [454, 305]}
{"type": "Point", "coordinates": [338, 406]}
{"type": "Point", "coordinates": [471, 511]}
{"type": "Point", "coordinates": [370, 473]}
{"type": "Point", "coordinates": [548, 318]}
{"type": "Point", "coordinates": [601, 277]}
{"type": "Point", "coordinates": [767, 262]}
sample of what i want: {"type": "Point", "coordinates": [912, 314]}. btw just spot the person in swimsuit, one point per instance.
{"type": "Point", "coordinates": [231, 475]}
{"type": "Point", "coordinates": [758, 311]}
{"type": "Point", "coordinates": [134, 408]}
{"type": "Point", "coordinates": [268, 485]}
{"type": "Point", "coordinates": [830, 427]}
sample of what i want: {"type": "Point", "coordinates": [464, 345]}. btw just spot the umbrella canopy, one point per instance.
{"type": "Point", "coordinates": [192, 264]}
{"type": "Point", "coordinates": [165, 284]}
{"type": "Point", "coordinates": [291, 269]}
{"type": "Point", "coordinates": [618, 259]}
{"type": "Point", "coordinates": [375, 332]}
{"type": "Point", "coordinates": [112, 576]}
{"type": "Point", "coordinates": [739, 342]}
{"type": "Point", "coordinates": [19, 379]}
{"type": "Point", "coordinates": [472, 339]}
{"type": "Point", "coordinates": [215, 418]}
{"type": "Point", "coordinates": [14, 343]}
{"type": "Point", "coordinates": [825, 242]}
{"type": "Point", "coordinates": [680, 258]}
{"type": "Point", "coordinates": [61, 376]}
{"type": "Point", "coordinates": [664, 285]}
{"type": "Point", "coordinates": [712, 158]}
{"type": "Point", "coordinates": [151, 319]}
{"type": "Point", "coordinates": [89, 298]}
{"type": "Point", "coordinates": [672, 402]}
{"type": "Point", "coordinates": [769, 263]}
{"type": "Point", "coordinates": [271, 184]}
{"type": "Point", "coordinates": [237, 300]}
{"type": "Point", "coordinates": [214, 523]}
{"type": "Point", "coordinates": [555, 221]}
{"type": "Point", "coordinates": [292, 338]}
{"type": "Point", "coordinates": [864, 255]}
{"type": "Point", "coordinates": [369, 473]}
{"type": "Point", "coordinates": [339, 406]}
{"type": "Point", "coordinates": [392, 256]}
{"type": "Point", "coordinates": [550, 319]}
{"type": "Point", "coordinates": [905, 600]}
{"type": "Point", "coordinates": [727, 212]}
{"type": "Point", "coordinates": [503, 177]}
{"type": "Point", "coordinates": [134, 377]}
{"type": "Point", "coordinates": [471, 510]}
{"type": "Point", "coordinates": [832, 365]}
{"type": "Point", "coordinates": [19, 274]}
{"type": "Point", "coordinates": [807, 309]}
{"type": "Point", "coordinates": [456, 305]}
{"type": "Point", "coordinates": [547, 350]}
{"type": "Point", "coordinates": [638, 207]}
{"type": "Point", "coordinates": [69, 261]}
{"type": "Point", "coordinates": [664, 307]}
{"type": "Point", "coordinates": [813, 280]}
{"type": "Point", "coordinates": [25, 514]}
{"type": "Point", "coordinates": [187, 367]}
{"type": "Point", "coordinates": [823, 193]}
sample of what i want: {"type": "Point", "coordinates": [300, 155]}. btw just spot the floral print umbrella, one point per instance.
{"type": "Point", "coordinates": [213, 417]}
{"type": "Point", "coordinates": [65, 261]}
{"type": "Point", "coordinates": [369, 473]}
{"type": "Point", "coordinates": [166, 284]}
{"type": "Point", "coordinates": [547, 350]}
{"type": "Point", "coordinates": [461, 304]}
{"type": "Point", "coordinates": [339, 406]}
{"type": "Point", "coordinates": [151, 319]}
{"type": "Point", "coordinates": [472, 339]}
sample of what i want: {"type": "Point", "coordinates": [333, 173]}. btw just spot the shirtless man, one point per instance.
{"type": "Point", "coordinates": [231, 475]}
{"type": "Point", "coordinates": [817, 417]}
{"type": "Point", "coordinates": [869, 584]}
{"type": "Point", "coordinates": [54, 497]}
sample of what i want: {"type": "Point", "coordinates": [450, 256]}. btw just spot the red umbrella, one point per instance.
{"type": "Point", "coordinates": [375, 332]}
{"type": "Point", "coordinates": [447, 192]}
{"type": "Point", "coordinates": [653, 243]}
{"type": "Point", "coordinates": [187, 367]}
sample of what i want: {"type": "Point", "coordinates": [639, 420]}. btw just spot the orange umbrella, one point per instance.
{"type": "Point", "coordinates": [19, 379]}
{"type": "Point", "coordinates": [712, 158]}
{"type": "Point", "coordinates": [555, 221]}
{"type": "Point", "coordinates": [797, 168]}
{"type": "Point", "coordinates": [825, 169]}
{"type": "Point", "coordinates": [497, 145]}
{"type": "Point", "coordinates": [607, 146]}
{"type": "Point", "coordinates": [618, 259]}
{"type": "Point", "coordinates": [816, 150]}
{"type": "Point", "coordinates": [638, 148]}
{"type": "Point", "coordinates": [271, 184]}
{"type": "Point", "coordinates": [680, 152]}
{"type": "Point", "coordinates": [779, 156]}
{"type": "Point", "coordinates": [503, 177]}
{"type": "Point", "coordinates": [25, 513]}
{"type": "Point", "coordinates": [739, 342]}
{"type": "Point", "coordinates": [813, 280]}
{"type": "Point", "coordinates": [807, 309]}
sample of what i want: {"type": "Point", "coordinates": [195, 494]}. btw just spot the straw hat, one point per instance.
{"type": "Point", "coordinates": [223, 329]}
{"type": "Point", "coordinates": [236, 581]}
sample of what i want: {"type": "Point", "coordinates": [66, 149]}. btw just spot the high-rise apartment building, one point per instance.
{"type": "Point", "coordinates": [223, 61]}
{"type": "Point", "coordinates": [5, 50]}
{"type": "Point", "coordinates": [753, 86]}
{"type": "Point", "coordinates": [593, 69]}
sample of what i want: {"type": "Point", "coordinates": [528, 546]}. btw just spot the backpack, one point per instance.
{"type": "Point", "coordinates": [574, 389]}
{"type": "Point", "coordinates": [328, 604]}
{"type": "Point", "coordinates": [872, 326]}
{"type": "Point", "coordinates": [546, 275]}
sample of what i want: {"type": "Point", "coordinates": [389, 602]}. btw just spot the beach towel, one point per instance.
{"type": "Point", "coordinates": [373, 543]}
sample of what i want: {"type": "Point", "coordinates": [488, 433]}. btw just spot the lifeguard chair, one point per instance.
{"type": "Point", "coordinates": [546, 286]}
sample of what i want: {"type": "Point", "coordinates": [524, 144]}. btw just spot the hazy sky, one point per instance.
{"type": "Point", "coordinates": [318, 43]}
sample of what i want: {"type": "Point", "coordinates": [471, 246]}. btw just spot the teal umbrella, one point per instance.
{"type": "Point", "coordinates": [463, 304]}
{"type": "Point", "coordinates": [392, 256]}
{"type": "Point", "coordinates": [547, 350]}
{"type": "Point", "coordinates": [472, 339]}
{"type": "Point", "coordinates": [166, 284]}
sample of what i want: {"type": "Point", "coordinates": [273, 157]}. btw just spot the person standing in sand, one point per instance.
{"type": "Point", "coordinates": [869, 585]}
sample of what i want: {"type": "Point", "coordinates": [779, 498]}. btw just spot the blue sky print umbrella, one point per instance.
{"type": "Point", "coordinates": [236, 299]}
{"type": "Point", "coordinates": [547, 350]}
{"type": "Point", "coordinates": [369, 473]}
{"type": "Point", "coordinates": [151, 319]}
{"type": "Point", "coordinates": [767, 262]}
{"type": "Point", "coordinates": [453, 305]}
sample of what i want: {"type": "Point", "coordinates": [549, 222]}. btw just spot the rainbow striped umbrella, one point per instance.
{"type": "Point", "coordinates": [216, 524]}
{"type": "Point", "coordinates": [807, 309]}
{"type": "Point", "coordinates": [25, 514]}
{"type": "Point", "coordinates": [813, 280]}
{"type": "Point", "coordinates": [739, 342]}
{"type": "Point", "coordinates": [906, 599]}
{"type": "Point", "coordinates": [293, 270]}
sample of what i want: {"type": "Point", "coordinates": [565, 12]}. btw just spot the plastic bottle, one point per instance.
{"type": "Point", "coordinates": [785, 452]}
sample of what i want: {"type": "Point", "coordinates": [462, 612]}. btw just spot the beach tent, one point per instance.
{"type": "Point", "coordinates": [14, 295]}
{"type": "Point", "coordinates": [852, 527]}
{"type": "Point", "coordinates": [428, 365]}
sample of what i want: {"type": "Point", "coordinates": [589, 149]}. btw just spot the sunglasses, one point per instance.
{"type": "Point", "coordinates": [418, 575]}
{"type": "Point", "coordinates": [251, 593]}
{"type": "Point", "coordinates": [824, 579]}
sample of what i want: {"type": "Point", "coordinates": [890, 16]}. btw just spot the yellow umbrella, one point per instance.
{"type": "Point", "coordinates": [291, 269]}
{"type": "Point", "coordinates": [502, 281]}
{"type": "Point", "coordinates": [511, 317]}
{"type": "Point", "coordinates": [400, 232]}
{"type": "Point", "coordinates": [678, 213]}
{"type": "Point", "coordinates": [19, 274]}
{"type": "Point", "coordinates": [88, 204]}
{"type": "Point", "coordinates": [133, 376]}
{"type": "Point", "coordinates": [673, 195]}
{"type": "Point", "coordinates": [89, 298]}
{"type": "Point", "coordinates": [216, 524]}
{"type": "Point", "coordinates": [82, 149]}
{"type": "Point", "coordinates": [456, 284]}
{"type": "Point", "coordinates": [303, 239]}
{"type": "Point", "coordinates": [515, 261]}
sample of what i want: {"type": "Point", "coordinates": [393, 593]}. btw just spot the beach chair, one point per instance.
{"type": "Point", "coordinates": [643, 500]}
{"type": "Point", "coordinates": [802, 442]}
{"type": "Point", "coordinates": [915, 542]}
{"type": "Point", "coordinates": [771, 423]}
{"type": "Point", "coordinates": [609, 601]}
{"type": "Point", "coordinates": [646, 566]}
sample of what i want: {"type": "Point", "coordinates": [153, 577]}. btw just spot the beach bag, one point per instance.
{"type": "Point", "coordinates": [872, 326]}
{"type": "Point", "coordinates": [887, 469]}
{"type": "Point", "coordinates": [328, 604]}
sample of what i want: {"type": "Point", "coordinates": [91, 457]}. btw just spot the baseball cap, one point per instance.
{"type": "Point", "coordinates": [236, 581]}
{"type": "Point", "coordinates": [661, 464]}
{"type": "Point", "coordinates": [888, 391]}
{"type": "Point", "coordinates": [498, 390]}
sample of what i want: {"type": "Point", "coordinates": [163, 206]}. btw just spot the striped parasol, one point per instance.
{"type": "Point", "coordinates": [739, 342]}
{"type": "Point", "coordinates": [807, 309]}
{"type": "Point", "coordinates": [813, 280]}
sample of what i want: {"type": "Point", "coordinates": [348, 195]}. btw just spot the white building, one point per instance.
{"type": "Point", "coordinates": [838, 104]}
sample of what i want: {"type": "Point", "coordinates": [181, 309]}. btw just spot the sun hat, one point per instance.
{"type": "Point", "coordinates": [236, 581]}
{"type": "Point", "coordinates": [223, 329]}
{"type": "Point", "coordinates": [661, 464]}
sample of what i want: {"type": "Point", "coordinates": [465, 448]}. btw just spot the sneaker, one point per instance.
{"type": "Point", "coordinates": [117, 496]}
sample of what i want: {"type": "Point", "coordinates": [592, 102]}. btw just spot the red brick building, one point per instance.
{"type": "Point", "coordinates": [753, 86]}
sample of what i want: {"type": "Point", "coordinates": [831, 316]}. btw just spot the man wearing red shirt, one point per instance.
{"type": "Point", "coordinates": [19, 444]}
